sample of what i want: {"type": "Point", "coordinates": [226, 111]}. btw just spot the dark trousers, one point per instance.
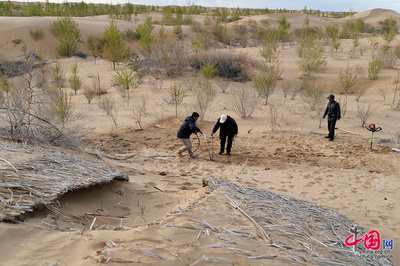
{"type": "Point", "coordinates": [331, 127]}
{"type": "Point", "coordinates": [229, 145]}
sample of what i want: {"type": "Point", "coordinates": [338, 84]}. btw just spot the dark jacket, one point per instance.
{"type": "Point", "coordinates": [332, 110]}
{"type": "Point", "coordinates": [188, 127]}
{"type": "Point", "coordinates": [229, 128]}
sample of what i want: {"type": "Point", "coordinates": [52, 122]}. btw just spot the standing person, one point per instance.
{"type": "Point", "coordinates": [333, 112]}
{"type": "Point", "coordinates": [228, 128]}
{"type": "Point", "coordinates": [187, 128]}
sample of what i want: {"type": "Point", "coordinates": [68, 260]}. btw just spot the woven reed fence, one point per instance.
{"type": "Point", "coordinates": [32, 176]}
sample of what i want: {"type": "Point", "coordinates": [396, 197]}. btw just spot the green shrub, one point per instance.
{"type": "Point", "coordinates": [36, 34]}
{"type": "Point", "coordinates": [374, 68]}
{"type": "Point", "coordinates": [312, 57]}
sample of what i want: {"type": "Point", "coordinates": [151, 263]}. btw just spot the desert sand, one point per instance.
{"type": "Point", "coordinates": [155, 212]}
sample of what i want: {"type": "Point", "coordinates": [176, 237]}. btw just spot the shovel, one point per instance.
{"type": "Point", "coordinates": [208, 148]}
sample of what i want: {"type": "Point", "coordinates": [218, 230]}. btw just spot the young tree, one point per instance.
{"type": "Point", "coordinates": [374, 68]}
{"type": "Point", "coordinates": [312, 57]}
{"type": "Point", "coordinates": [62, 106]}
{"type": "Point", "coordinates": [114, 44]}
{"type": "Point", "coordinates": [126, 79]}
{"type": "Point", "coordinates": [204, 94]}
{"type": "Point", "coordinates": [177, 94]}
{"type": "Point", "coordinates": [284, 28]}
{"type": "Point", "coordinates": [347, 80]}
{"type": "Point", "coordinates": [74, 80]}
{"type": "Point", "coordinates": [67, 33]}
{"type": "Point", "coordinates": [95, 46]}
{"type": "Point", "coordinates": [209, 70]}
{"type": "Point", "coordinates": [146, 39]}
{"type": "Point", "coordinates": [269, 73]}
{"type": "Point", "coordinates": [57, 75]}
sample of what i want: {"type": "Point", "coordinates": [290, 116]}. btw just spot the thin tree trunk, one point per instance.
{"type": "Point", "coordinates": [395, 90]}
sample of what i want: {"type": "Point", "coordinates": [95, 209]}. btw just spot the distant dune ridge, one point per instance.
{"type": "Point", "coordinates": [374, 16]}
{"type": "Point", "coordinates": [12, 28]}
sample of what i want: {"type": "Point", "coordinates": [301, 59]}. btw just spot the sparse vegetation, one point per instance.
{"type": "Point", "coordinates": [243, 100]}
{"type": "Point", "coordinates": [177, 94]}
{"type": "Point", "coordinates": [108, 105]}
{"type": "Point", "coordinates": [95, 46]}
{"type": "Point", "coordinates": [114, 45]}
{"type": "Point", "coordinates": [127, 80]}
{"type": "Point", "coordinates": [68, 35]}
{"type": "Point", "coordinates": [74, 80]}
{"type": "Point", "coordinates": [374, 68]}
{"type": "Point", "coordinates": [364, 111]}
{"type": "Point", "coordinates": [145, 36]}
{"type": "Point", "coordinates": [204, 96]}
{"type": "Point", "coordinates": [37, 35]}
{"type": "Point", "coordinates": [57, 75]}
{"type": "Point", "coordinates": [347, 80]}
{"type": "Point", "coordinates": [312, 57]}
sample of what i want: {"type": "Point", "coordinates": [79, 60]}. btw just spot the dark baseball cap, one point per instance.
{"type": "Point", "coordinates": [331, 97]}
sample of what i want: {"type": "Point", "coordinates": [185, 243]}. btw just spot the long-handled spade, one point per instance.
{"type": "Point", "coordinates": [373, 129]}
{"type": "Point", "coordinates": [208, 148]}
{"type": "Point", "coordinates": [212, 148]}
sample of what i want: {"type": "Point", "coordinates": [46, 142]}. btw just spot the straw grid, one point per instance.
{"type": "Point", "coordinates": [32, 176]}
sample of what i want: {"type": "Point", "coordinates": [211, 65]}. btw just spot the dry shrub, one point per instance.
{"type": "Point", "coordinates": [230, 66]}
{"type": "Point", "coordinates": [243, 100]}
{"type": "Point", "coordinates": [364, 111]}
{"type": "Point", "coordinates": [291, 88]}
{"type": "Point", "coordinates": [89, 93]}
{"type": "Point", "coordinates": [178, 60]}
{"type": "Point", "coordinates": [312, 94]}
{"type": "Point", "coordinates": [223, 84]}
{"type": "Point", "coordinates": [382, 90]}
{"type": "Point", "coordinates": [274, 114]}
{"type": "Point", "coordinates": [108, 105]}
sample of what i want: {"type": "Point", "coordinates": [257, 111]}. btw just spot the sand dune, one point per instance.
{"type": "Point", "coordinates": [377, 15]}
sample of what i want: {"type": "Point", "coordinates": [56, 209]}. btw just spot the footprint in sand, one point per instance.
{"type": "Point", "coordinates": [194, 168]}
{"type": "Point", "coordinates": [374, 221]}
{"type": "Point", "coordinates": [310, 184]}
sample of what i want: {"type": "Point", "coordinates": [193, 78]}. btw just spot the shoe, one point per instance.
{"type": "Point", "coordinates": [327, 137]}
{"type": "Point", "coordinates": [179, 155]}
{"type": "Point", "coordinates": [221, 152]}
{"type": "Point", "coordinates": [229, 154]}
{"type": "Point", "coordinates": [192, 156]}
{"type": "Point", "coordinates": [330, 139]}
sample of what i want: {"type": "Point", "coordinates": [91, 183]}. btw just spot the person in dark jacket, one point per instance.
{"type": "Point", "coordinates": [333, 112]}
{"type": "Point", "coordinates": [187, 128]}
{"type": "Point", "coordinates": [228, 128]}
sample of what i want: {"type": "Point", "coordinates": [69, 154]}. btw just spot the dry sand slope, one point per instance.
{"type": "Point", "coordinates": [343, 176]}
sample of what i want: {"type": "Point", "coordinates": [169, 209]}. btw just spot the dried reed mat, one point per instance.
{"type": "Point", "coordinates": [31, 177]}
{"type": "Point", "coordinates": [298, 230]}
{"type": "Point", "coordinates": [237, 225]}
